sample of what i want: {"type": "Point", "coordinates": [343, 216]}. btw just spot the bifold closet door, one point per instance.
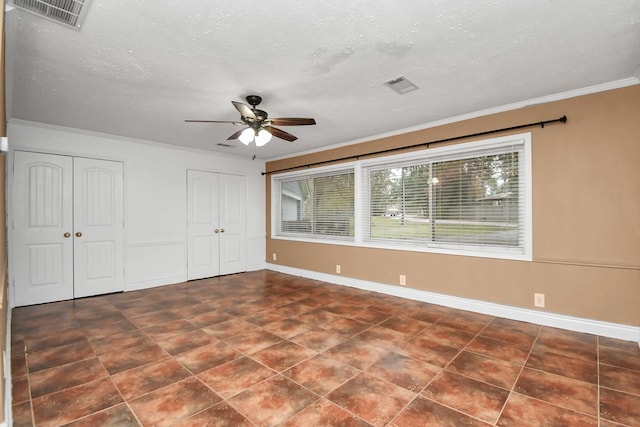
{"type": "Point", "coordinates": [232, 211]}
{"type": "Point", "coordinates": [98, 227]}
{"type": "Point", "coordinates": [42, 250]}
{"type": "Point", "coordinates": [216, 224]}
{"type": "Point", "coordinates": [203, 231]}
{"type": "Point", "coordinates": [67, 227]}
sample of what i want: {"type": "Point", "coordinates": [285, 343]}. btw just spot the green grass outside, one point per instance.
{"type": "Point", "coordinates": [391, 228]}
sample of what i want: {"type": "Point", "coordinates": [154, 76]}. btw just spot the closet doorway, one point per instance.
{"type": "Point", "coordinates": [68, 227]}
{"type": "Point", "coordinates": [216, 225]}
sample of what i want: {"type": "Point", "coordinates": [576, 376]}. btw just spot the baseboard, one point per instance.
{"type": "Point", "coordinates": [155, 282]}
{"type": "Point", "coordinates": [257, 267]}
{"type": "Point", "coordinates": [8, 376]}
{"type": "Point", "coordinates": [596, 327]}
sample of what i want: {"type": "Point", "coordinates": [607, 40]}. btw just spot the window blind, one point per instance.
{"type": "Point", "coordinates": [315, 205]}
{"type": "Point", "coordinates": [463, 199]}
{"type": "Point", "coordinates": [471, 200]}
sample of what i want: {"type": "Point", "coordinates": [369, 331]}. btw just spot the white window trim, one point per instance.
{"type": "Point", "coordinates": [464, 149]}
{"type": "Point", "coordinates": [306, 172]}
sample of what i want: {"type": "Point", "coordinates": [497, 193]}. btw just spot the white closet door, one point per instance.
{"type": "Point", "coordinates": [42, 228]}
{"type": "Point", "coordinates": [233, 224]}
{"type": "Point", "coordinates": [98, 227]}
{"type": "Point", "coordinates": [203, 233]}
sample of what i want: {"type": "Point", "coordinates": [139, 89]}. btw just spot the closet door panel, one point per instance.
{"type": "Point", "coordinates": [203, 233]}
{"type": "Point", "coordinates": [42, 228]}
{"type": "Point", "coordinates": [99, 227]}
{"type": "Point", "coordinates": [203, 252]}
{"type": "Point", "coordinates": [233, 207]}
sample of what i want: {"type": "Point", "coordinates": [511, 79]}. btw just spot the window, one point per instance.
{"type": "Point", "coordinates": [317, 205]}
{"type": "Point", "coordinates": [468, 199]}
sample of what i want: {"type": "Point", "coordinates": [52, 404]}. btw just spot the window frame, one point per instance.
{"type": "Point", "coordinates": [313, 173]}
{"type": "Point", "coordinates": [442, 153]}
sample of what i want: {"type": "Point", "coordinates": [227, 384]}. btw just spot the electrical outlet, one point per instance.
{"type": "Point", "coordinates": [538, 300]}
{"type": "Point", "coordinates": [275, 258]}
{"type": "Point", "coordinates": [338, 268]}
{"type": "Point", "coordinates": [403, 280]}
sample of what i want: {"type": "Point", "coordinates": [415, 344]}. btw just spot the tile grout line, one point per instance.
{"type": "Point", "coordinates": [208, 407]}
{"type": "Point", "coordinates": [167, 357]}
{"type": "Point", "coordinates": [539, 339]}
{"type": "Point", "coordinates": [442, 370]}
{"type": "Point", "coordinates": [248, 356]}
{"type": "Point", "coordinates": [417, 394]}
{"type": "Point", "coordinates": [515, 382]}
{"type": "Point", "coordinates": [109, 375]}
{"type": "Point", "coordinates": [26, 362]}
{"type": "Point", "coordinates": [458, 354]}
{"type": "Point", "coordinates": [557, 375]}
{"type": "Point", "coordinates": [360, 371]}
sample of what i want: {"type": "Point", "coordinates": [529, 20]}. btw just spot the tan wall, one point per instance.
{"type": "Point", "coordinates": [3, 279]}
{"type": "Point", "coordinates": [3, 231]}
{"type": "Point", "coordinates": [586, 216]}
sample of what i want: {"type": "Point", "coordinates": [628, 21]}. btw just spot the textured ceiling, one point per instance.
{"type": "Point", "coordinates": [139, 68]}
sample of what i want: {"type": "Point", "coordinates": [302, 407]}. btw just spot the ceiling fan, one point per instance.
{"type": "Point", "coordinates": [259, 127]}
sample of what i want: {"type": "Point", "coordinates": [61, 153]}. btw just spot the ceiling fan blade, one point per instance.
{"type": "Point", "coordinates": [280, 133]}
{"type": "Point", "coordinates": [237, 134]}
{"type": "Point", "coordinates": [292, 121]}
{"type": "Point", "coordinates": [215, 121]}
{"type": "Point", "coordinates": [244, 110]}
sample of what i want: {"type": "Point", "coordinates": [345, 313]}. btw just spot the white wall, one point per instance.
{"type": "Point", "coordinates": [155, 195]}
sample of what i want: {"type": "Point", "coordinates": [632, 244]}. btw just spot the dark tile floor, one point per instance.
{"type": "Point", "coordinates": [269, 349]}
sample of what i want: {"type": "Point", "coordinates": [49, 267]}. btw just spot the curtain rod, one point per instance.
{"type": "Point", "coordinates": [562, 119]}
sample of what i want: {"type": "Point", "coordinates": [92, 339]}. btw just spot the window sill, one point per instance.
{"type": "Point", "coordinates": [493, 253]}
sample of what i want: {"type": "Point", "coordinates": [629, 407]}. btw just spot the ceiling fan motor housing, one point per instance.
{"type": "Point", "coordinates": [258, 121]}
{"type": "Point", "coordinates": [253, 100]}
{"type": "Point", "coordinates": [261, 115]}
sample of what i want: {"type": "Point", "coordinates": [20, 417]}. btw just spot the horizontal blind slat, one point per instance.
{"type": "Point", "coordinates": [459, 199]}
{"type": "Point", "coordinates": [320, 204]}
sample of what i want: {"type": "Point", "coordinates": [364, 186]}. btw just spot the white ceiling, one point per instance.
{"type": "Point", "coordinates": [139, 68]}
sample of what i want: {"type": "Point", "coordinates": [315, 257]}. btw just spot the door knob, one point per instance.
{"type": "Point", "coordinates": [222, 230]}
{"type": "Point", "coordinates": [216, 231]}
{"type": "Point", "coordinates": [67, 235]}
{"type": "Point", "coordinates": [78, 234]}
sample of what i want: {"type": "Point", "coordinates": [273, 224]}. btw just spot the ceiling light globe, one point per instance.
{"type": "Point", "coordinates": [262, 138]}
{"type": "Point", "coordinates": [246, 136]}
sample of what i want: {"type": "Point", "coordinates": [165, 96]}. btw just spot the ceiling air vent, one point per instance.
{"type": "Point", "coordinates": [401, 85]}
{"type": "Point", "coordinates": [66, 12]}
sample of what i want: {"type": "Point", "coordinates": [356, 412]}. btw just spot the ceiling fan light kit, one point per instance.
{"type": "Point", "coordinates": [259, 126]}
{"type": "Point", "coordinates": [262, 137]}
{"type": "Point", "coordinates": [249, 134]}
